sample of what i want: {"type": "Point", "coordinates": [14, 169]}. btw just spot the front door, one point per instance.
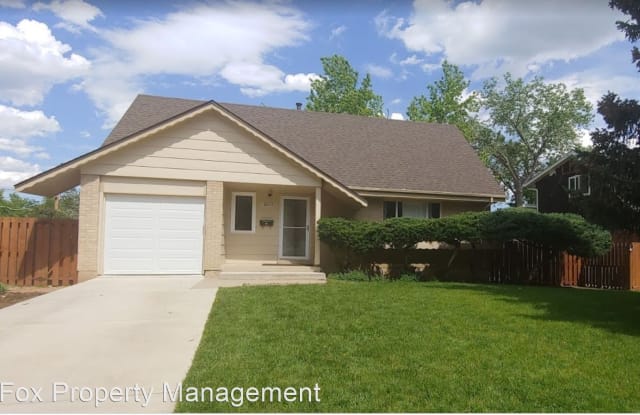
{"type": "Point", "coordinates": [294, 235]}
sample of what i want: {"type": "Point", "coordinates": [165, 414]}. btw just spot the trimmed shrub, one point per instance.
{"type": "Point", "coordinates": [561, 231]}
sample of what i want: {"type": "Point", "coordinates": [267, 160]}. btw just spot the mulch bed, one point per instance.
{"type": "Point", "coordinates": [15, 295]}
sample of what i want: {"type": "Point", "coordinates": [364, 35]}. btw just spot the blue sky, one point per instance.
{"type": "Point", "coordinates": [70, 68]}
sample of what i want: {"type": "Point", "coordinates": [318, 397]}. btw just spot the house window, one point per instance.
{"type": "Point", "coordinates": [243, 212]}
{"type": "Point", "coordinates": [434, 210]}
{"type": "Point", "coordinates": [392, 209]}
{"type": "Point", "coordinates": [410, 209]}
{"type": "Point", "coordinates": [580, 183]}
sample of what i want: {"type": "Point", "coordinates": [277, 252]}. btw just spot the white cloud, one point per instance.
{"type": "Point", "coordinates": [597, 82]}
{"type": "Point", "coordinates": [397, 116]}
{"type": "Point", "coordinates": [379, 71]}
{"type": "Point", "coordinates": [13, 4]}
{"type": "Point", "coordinates": [187, 43]}
{"type": "Point", "coordinates": [75, 14]}
{"type": "Point", "coordinates": [32, 60]}
{"type": "Point", "coordinates": [337, 31]}
{"type": "Point", "coordinates": [16, 123]}
{"type": "Point", "coordinates": [14, 170]}
{"type": "Point", "coordinates": [17, 127]}
{"type": "Point", "coordinates": [430, 67]}
{"type": "Point", "coordinates": [503, 35]}
{"type": "Point", "coordinates": [396, 101]}
{"type": "Point", "coordinates": [411, 60]}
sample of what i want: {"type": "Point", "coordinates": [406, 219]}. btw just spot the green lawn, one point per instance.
{"type": "Point", "coordinates": [407, 347]}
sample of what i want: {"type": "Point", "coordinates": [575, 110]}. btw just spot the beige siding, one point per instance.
{"type": "Point", "coordinates": [206, 148]}
{"type": "Point", "coordinates": [88, 227]}
{"type": "Point", "coordinates": [263, 244]}
{"type": "Point", "coordinates": [452, 208]}
{"type": "Point", "coordinates": [157, 187]}
{"type": "Point", "coordinates": [332, 207]}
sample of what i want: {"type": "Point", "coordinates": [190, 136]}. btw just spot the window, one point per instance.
{"type": "Point", "coordinates": [580, 183]}
{"type": "Point", "coordinates": [392, 209]}
{"type": "Point", "coordinates": [434, 210]}
{"type": "Point", "coordinates": [410, 209]}
{"type": "Point", "coordinates": [243, 212]}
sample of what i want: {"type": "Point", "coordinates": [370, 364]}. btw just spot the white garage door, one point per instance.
{"type": "Point", "coordinates": [153, 235]}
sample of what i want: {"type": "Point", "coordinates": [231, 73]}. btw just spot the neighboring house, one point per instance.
{"type": "Point", "coordinates": [559, 183]}
{"type": "Point", "coordinates": [194, 187]}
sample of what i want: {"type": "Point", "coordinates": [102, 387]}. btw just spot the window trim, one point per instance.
{"type": "Point", "coordinates": [427, 203]}
{"type": "Point", "coordinates": [578, 181]}
{"type": "Point", "coordinates": [233, 211]}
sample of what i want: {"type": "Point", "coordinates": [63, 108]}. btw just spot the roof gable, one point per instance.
{"type": "Point", "coordinates": [361, 152]}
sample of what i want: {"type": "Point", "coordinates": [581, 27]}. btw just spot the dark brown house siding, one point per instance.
{"type": "Point", "coordinates": [553, 189]}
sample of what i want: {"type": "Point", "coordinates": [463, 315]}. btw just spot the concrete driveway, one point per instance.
{"type": "Point", "coordinates": [115, 339]}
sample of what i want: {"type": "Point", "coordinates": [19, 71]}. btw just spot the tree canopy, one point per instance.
{"type": "Point", "coordinates": [530, 125]}
{"type": "Point", "coordinates": [15, 205]}
{"type": "Point", "coordinates": [448, 102]}
{"type": "Point", "coordinates": [630, 27]}
{"type": "Point", "coordinates": [614, 161]}
{"type": "Point", "coordinates": [337, 90]}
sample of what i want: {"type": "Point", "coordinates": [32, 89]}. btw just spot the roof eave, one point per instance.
{"type": "Point", "coordinates": [376, 191]}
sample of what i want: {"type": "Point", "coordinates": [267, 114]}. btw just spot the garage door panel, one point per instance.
{"type": "Point", "coordinates": [153, 234]}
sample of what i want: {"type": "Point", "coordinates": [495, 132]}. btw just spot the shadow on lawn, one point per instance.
{"type": "Point", "coordinates": [616, 311]}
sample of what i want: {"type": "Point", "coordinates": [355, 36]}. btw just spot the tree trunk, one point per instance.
{"type": "Point", "coordinates": [519, 195]}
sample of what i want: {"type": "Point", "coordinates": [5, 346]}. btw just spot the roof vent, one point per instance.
{"type": "Point", "coordinates": [299, 106]}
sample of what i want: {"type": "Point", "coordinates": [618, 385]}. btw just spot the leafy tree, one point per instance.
{"type": "Point", "coordinates": [446, 102]}
{"type": "Point", "coordinates": [17, 206]}
{"type": "Point", "coordinates": [614, 166]}
{"type": "Point", "coordinates": [14, 205]}
{"type": "Point", "coordinates": [614, 161]}
{"type": "Point", "coordinates": [337, 90]}
{"type": "Point", "coordinates": [631, 27]}
{"type": "Point", "coordinates": [531, 124]}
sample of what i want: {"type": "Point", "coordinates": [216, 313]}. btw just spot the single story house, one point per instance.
{"type": "Point", "coordinates": [195, 187]}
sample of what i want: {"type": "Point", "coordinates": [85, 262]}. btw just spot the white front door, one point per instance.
{"type": "Point", "coordinates": [153, 234]}
{"type": "Point", "coordinates": [294, 234]}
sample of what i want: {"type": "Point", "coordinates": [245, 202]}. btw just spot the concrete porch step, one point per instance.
{"type": "Point", "coordinates": [280, 268]}
{"type": "Point", "coordinates": [232, 278]}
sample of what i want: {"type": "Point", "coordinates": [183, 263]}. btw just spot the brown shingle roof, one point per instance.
{"type": "Point", "coordinates": [360, 152]}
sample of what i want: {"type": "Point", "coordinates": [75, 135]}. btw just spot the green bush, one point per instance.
{"type": "Point", "coordinates": [558, 230]}
{"type": "Point", "coordinates": [353, 276]}
{"type": "Point", "coordinates": [2, 289]}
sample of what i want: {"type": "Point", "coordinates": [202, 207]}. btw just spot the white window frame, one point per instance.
{"type": "Point", "coordinates": [308, 227]}
{"type": "Point", "coordinates": [425, 201]}
{"type": "Point", "coordinates": [577, 179]}
{"type": "Point", "coordinates": [233, 211]}
{"type": "Point", "coordinates": [395, 202]}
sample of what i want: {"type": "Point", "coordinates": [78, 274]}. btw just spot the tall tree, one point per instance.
{"type": "Point", "coordinates": [531, 124]}
{"type": "Point", "coordinates": [614, 166]}
{"type": "Point", "coordinates": [447, 103]}
{"type": "Point", "coordinates": [337, 90]}
{"type": "Point", "coordinates": [15, 205]}
{"type": "Point", "coordinates": [630, 27]}
{"type": "Point", "coordinates": [614, 161]}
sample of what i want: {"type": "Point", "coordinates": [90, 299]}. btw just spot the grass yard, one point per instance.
{"type": "Point", "coordinates": [428, 347]}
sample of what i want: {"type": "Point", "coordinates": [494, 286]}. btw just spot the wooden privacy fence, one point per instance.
{"type": "Point", "coordinates": [527, 263]}
{"type": "Point", "coordinates": [38, 251]}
